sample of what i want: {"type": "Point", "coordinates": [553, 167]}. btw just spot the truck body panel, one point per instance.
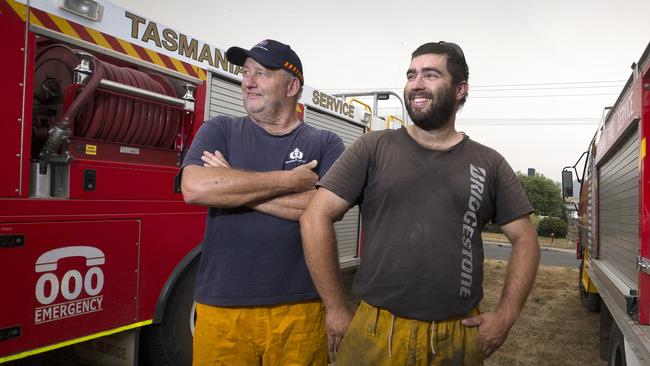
{"type": "Point", "coordinates": [613, 221]}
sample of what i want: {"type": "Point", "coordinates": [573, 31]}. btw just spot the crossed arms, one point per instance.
{"type": "Point", "coordinates": [283, 194]}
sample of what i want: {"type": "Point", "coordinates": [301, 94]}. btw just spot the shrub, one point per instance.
{"type": "Point", "coordinates": [549, 225]}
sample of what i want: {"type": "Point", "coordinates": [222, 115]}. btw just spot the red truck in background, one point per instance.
{"type": "Point", "coordinates": [614, 223]}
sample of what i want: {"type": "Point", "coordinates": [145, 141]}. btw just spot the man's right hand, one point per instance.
{"type": "Point", "coordinates": [337, 322]}
{"type": "Point", "coordinates": [304, 178]}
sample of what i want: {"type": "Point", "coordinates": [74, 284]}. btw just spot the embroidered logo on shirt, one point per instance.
{"type": "Point", "coordinates": [295, 156]}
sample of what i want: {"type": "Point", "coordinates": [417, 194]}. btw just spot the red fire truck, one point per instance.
{"type": "Point", "coordinates": [99, 105]}
{"type": "Point", "coordinates": [614, 223]}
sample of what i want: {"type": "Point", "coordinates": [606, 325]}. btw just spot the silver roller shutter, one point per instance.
{"type": "Point", "coordinates": [618, 206]}
{"type": "Point", "coordinates": [349, 132]}
{"type": "Point", "coordinates": [347, 230]}
{"type": "Point", "coordinates": [224, 98]}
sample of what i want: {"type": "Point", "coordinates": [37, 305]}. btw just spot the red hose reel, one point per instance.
{"type": "Point", "coordinates": [106, 114]}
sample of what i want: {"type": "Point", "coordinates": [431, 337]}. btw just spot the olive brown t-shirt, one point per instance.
{"type": "Point", "coordinates": [422, 214]}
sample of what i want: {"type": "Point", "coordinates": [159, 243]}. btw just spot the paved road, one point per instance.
{"type": "Point", "coordinates": [550, 256]}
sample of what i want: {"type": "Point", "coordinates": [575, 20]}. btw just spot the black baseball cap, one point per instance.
{"type": "Point", "coordinates": [271, 54]}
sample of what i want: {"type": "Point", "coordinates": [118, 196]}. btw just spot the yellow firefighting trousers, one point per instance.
{"type": "Point", "coordinates": [376, 337]}
{"type": "Point", "coordinates": [288, 334]}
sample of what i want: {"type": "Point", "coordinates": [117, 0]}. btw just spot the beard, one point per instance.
{"type": "Point", "coordinates": [437, 114]}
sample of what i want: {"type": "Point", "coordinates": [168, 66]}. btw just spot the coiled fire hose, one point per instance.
{"type": "Point", "coordinates": [103, 115]}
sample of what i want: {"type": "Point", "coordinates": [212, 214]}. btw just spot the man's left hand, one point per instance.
{"type": "Point", "coordinates": [493, 329]}
{"type": "Point", "coordinates": [216, 160]}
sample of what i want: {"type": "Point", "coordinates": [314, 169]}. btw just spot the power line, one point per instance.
{"type": "Point", "coordinates": [552, 88]}
{"type": "Point", "coordinates": [552, 83]}
{"type": "Point", "coordinates": [566, 85]}
{"type": "Point", "coordinates": [526, 124]}
{"type": "Point", "coordinates": [528, 121]}
{"type": "Point", "coordinates": [535, 119]}
{"type": "Point", "coordinates": [541, 96]}
{"type": "Point", "coordinates": [472, 96]}
{"type": "Point", "coordinates": [531, 119]}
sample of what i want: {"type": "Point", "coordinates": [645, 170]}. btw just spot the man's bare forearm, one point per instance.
{"type": "Point", "coordinates": [226, 187]}
{"type": "Point", "coordinates": [319, 243]}
{"type": "Point", "coordinates": [520, 276]}
{"type": "Point", "coordinates": [288, 207]}
{"type": "Point", "coordinates": [494, 326]}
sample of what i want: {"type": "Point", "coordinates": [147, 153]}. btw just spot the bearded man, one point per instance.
{"type": "Point", "coordinates": [425, 193]}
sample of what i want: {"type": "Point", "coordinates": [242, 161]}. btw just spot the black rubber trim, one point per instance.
{"type": "Point", "coordinates": [171, 282]}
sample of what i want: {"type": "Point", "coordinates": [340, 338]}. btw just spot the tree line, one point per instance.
{"type": "Point", "coordinates": [550, 217]}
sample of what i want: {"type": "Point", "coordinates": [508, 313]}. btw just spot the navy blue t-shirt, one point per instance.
{"type": "Point", "coordinates": [249, 257]}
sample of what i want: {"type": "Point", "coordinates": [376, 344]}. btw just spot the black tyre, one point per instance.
{"type": "Point", "coordinates": [590, 301]}
{"type": "Point", "coordinates": [616, 347]}
{"type": "Point", "coordinates": [170, 343]}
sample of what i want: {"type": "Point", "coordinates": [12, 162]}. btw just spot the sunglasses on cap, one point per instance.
{"type": "Point", "coordinates": [453, 47]}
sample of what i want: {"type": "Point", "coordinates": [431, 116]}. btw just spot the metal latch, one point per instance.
{"type": "Point", "coordinates": [642, 264]}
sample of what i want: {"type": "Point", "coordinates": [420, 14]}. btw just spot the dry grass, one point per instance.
{"type": "Point", "coordinates": [563, 243]}
{"type": "Point", "coordinates": [553, 328]}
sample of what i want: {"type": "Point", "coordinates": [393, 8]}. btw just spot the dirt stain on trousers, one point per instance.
{"type": "Point", "coordinates": [376, 337]}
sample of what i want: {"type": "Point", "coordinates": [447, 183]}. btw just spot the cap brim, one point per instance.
{"type": "Point", "coordinates": [237, 55]}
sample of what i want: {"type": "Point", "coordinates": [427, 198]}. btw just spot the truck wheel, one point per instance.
{"type": "Point", "coordinates": [616, 347]}
{"type": "Point", "coordinates": [590, 301]}
{"type": "Point", "coordinates": [170, 343]}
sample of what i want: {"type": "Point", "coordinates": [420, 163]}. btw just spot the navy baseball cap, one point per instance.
{"type": "Point", "coordinates": [271, 54]}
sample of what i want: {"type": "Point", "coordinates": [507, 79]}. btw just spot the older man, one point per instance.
{"type": "Point", "coordinates": [256, 302]}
